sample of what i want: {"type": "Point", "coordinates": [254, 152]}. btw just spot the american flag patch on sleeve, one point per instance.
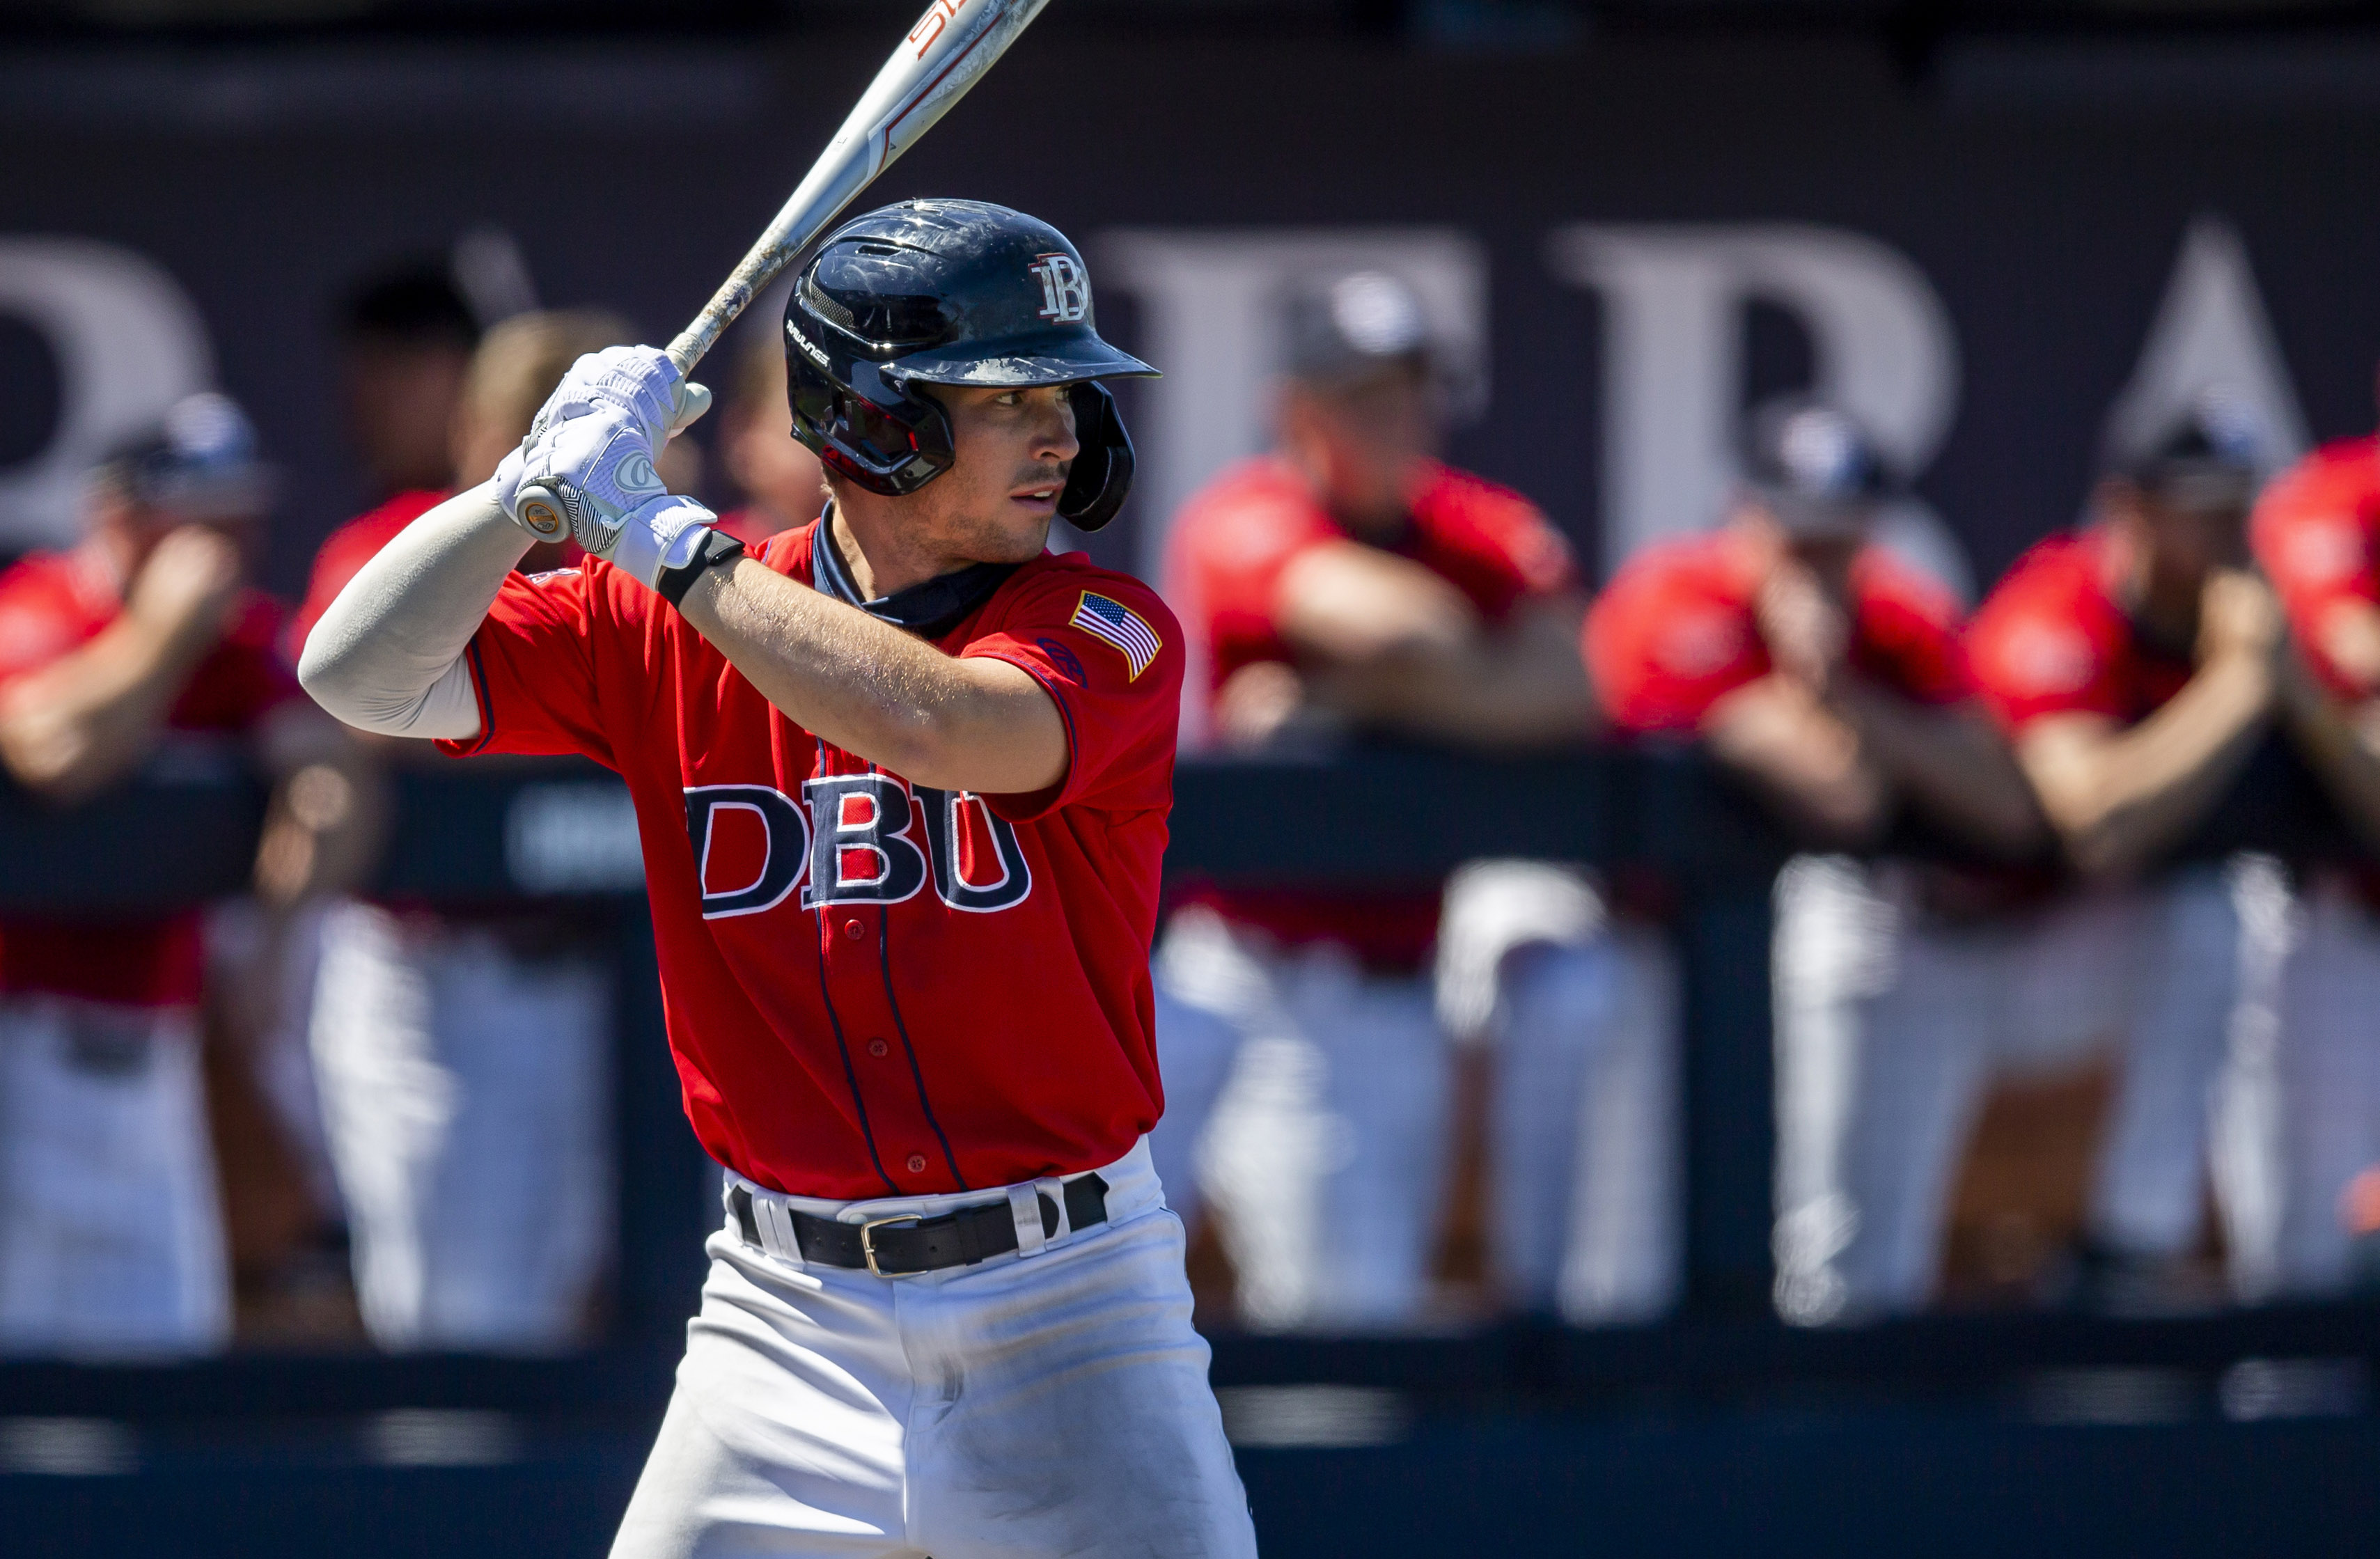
{"type": "Point", "coordinates": [1113, 622]}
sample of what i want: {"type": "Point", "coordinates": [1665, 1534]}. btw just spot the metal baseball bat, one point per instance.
{"type": "Point", "coordinates": [949, 50]}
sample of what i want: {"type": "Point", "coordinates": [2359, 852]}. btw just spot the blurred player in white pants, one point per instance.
{"type": "Point", "coordinates": [111, 1239]}
{"type": "Point", "coordinates": [2135, 664]}
{"type": "Point", "coordinates": [2316, 534]}
{"type": "Point", "coordinates": [1829, 677]}
{"type": "Point", "coordinates": [1346, 580]}
{"type": "Point", "coordinates": [450, 1065]}
{"type": "Point", "coordinates": [2150, 977]}
{"type": "Point", "coordinates": [463, 1059]}
{"type": "Point", "coordinates": [1585, 1156]}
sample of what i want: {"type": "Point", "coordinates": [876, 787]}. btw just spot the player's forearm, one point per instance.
{"type": "Point", "coordinates": [1522, 686]}
{"type": "Point", "coordinates": [1805, 759]}
{"type": "Point", "coordinates": [2118, 802]}
{"type": "Point", "coordinates": [1948, 763]}
{"type": "Point", "coordinates": [874, 690]}
{"type": "Point", "coordinates": [87, 718]}
{"type": "Point", "coordinates": [1465, 697]}
{"type": "Point", "coordinates": [387, 656]}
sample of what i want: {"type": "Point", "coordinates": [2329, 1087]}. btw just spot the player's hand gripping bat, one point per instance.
{"type": "Point", "coordinates": [953, 45]}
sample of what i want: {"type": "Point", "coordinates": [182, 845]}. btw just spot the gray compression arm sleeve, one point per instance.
{"type": "Point", "coordinates": [388, 654]}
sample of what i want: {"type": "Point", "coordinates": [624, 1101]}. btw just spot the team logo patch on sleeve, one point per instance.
{"type": "Point", "coordinates": [1114, 623]}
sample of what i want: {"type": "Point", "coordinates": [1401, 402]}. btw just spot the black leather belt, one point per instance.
{"type": "Point", "coordinates": [907, 1244]}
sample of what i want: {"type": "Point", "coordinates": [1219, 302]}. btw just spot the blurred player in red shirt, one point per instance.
{"type": "Point", "coordinates": [1348, 578]}
{"type": "Point", "coordinates": [1828, 675]}
{"type": "Point", "coordinates": [2135, 663]}
{"type": "Point", "coordinates": [143, 635]}
{"type": "Point", "coordinates": [783, 483]}
{"type": "Point", "coordinates": [406, 341]}
{"type": "Point", "coordinates": [2316, 534]}
{"type": "Point", "coordinates": [462, 1054]}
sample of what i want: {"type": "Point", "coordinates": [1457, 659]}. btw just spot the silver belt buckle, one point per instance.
{"type": "Point", "coordinates": [867, 1243]}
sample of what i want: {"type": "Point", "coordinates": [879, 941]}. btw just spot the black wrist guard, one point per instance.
{"type": "Point", "coordinates": [717, 547]}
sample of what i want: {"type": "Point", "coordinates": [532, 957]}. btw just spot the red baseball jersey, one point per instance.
{"type": "Point", "coordinates": [1234, 538]}
{"type": "Point", "coordinates": [874, 987]}
{"type": "Point", "coordinates": [349, 549]}
{"type": "Point", "coordinates": [52, 603]}
{"type": "Point", "coordinates": [1224, 561]}
{"type": "Point", "coordinates": [1676, 632]}
{"type": "Point", "coordinates": [2315, 534]}
{"type": "Point", "coordinates": [2052, 638]}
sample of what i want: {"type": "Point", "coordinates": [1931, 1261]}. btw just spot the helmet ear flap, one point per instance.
{"type": "Point", "coordinates": [1101, 477]}
{"type": "Point", "coordinates": [872, 431]}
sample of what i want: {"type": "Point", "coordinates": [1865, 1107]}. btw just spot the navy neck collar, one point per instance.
{"type": "Point", "coordinates": [929, 609]}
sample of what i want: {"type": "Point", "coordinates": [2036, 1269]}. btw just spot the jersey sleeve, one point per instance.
{"type": "Point", "coordinates": [1497, 547]}
{"type": "Point", "coordinates": [1660, 653]}
{"type": "Point", "coordinates": [532, 667]}
{"type": "Point", "coordinates": [35, 627]}
{"type": "Point", "coordinates": [2038, 650]}
{"type": "Point", "coordinates": [1109, 654]}
{"type": "Point", "coordinates": [244, 678]}
{"type": "Point", "coordinates": [1228, 552]}
{"type": "Point", "coordinates": [2312, 532]}
{"type": "Point", "coordinates": [1909, 634]}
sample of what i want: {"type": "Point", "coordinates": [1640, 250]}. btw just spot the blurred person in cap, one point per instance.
{"type": "Point", "coordinates": [2316, 535]}
{"type": "Point", "coordinates": [1827, 675]}
{"type": "Point", "coordinates": [2134, 664]}
{"type": "Point", "coordinates": [463, 1053]}
{"type": "Point", "coordinates": [781, 482]}
{"type": "Point", "coordinates": [406, 340]}
{"type": "Point", "coordinates": [145, 634]}
{"type": "Point", "coordinates": [1347, 579]}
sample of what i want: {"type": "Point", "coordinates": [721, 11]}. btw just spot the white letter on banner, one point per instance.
{"type": "Point", "coordinates": [1674, 300]}
{"type": "Point", "coordinates": [2210, 334]}
{"type": "Point", "coordinates": [128, 345]}
{"type": "Point", "coordinates": [1209, 301]}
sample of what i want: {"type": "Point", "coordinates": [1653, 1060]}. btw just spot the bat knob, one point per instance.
{"type": "Point", "coordinates": [540, 512]}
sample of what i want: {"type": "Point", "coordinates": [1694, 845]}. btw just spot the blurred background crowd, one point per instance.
{"type": "Point", "coordinates": [2035, 1042]}
{"type": "Point", "coordinates": [1907, 431]}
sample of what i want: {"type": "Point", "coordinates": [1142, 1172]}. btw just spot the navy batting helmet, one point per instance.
{"type": "Point", "coordinates": [949, 292]}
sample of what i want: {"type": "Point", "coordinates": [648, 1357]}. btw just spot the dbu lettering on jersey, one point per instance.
{"type": "Point", "coordinates": [863, 838]}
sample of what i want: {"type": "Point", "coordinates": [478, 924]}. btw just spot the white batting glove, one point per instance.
{"type": "Point", "coordinates": [594, 441]}
{"type": "Point", "coordinates": [640, 381]}
{"type": "Point", "coordinates": [659, 533]}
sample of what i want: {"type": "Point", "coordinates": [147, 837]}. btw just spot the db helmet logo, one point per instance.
{"type": "Point", "coordinates": [1065, 290]}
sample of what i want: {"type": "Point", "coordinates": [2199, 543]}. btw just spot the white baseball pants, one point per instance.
{"type": "Point", "coordinates": [111, 1238]}
{"type": "Point", "coordinates": [1326, 1149]}
{"type": "Point", "coordinates": [1584, 1128]}
{"type": "Point", "coordinates": [2153, 974]}
{"type": "Point", "coordinates": [466, 1094]}
{"type": "Point", "coordinates": [2329, 1057]}
{"type": "Point", "coordinates": [1043, 1403]}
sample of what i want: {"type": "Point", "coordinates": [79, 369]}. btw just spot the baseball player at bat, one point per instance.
{"type": "Point", "coordinates": [901, 780]}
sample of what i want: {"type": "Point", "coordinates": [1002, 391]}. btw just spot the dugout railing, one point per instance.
{"type": "Point", "coordinates": [504, 829]}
